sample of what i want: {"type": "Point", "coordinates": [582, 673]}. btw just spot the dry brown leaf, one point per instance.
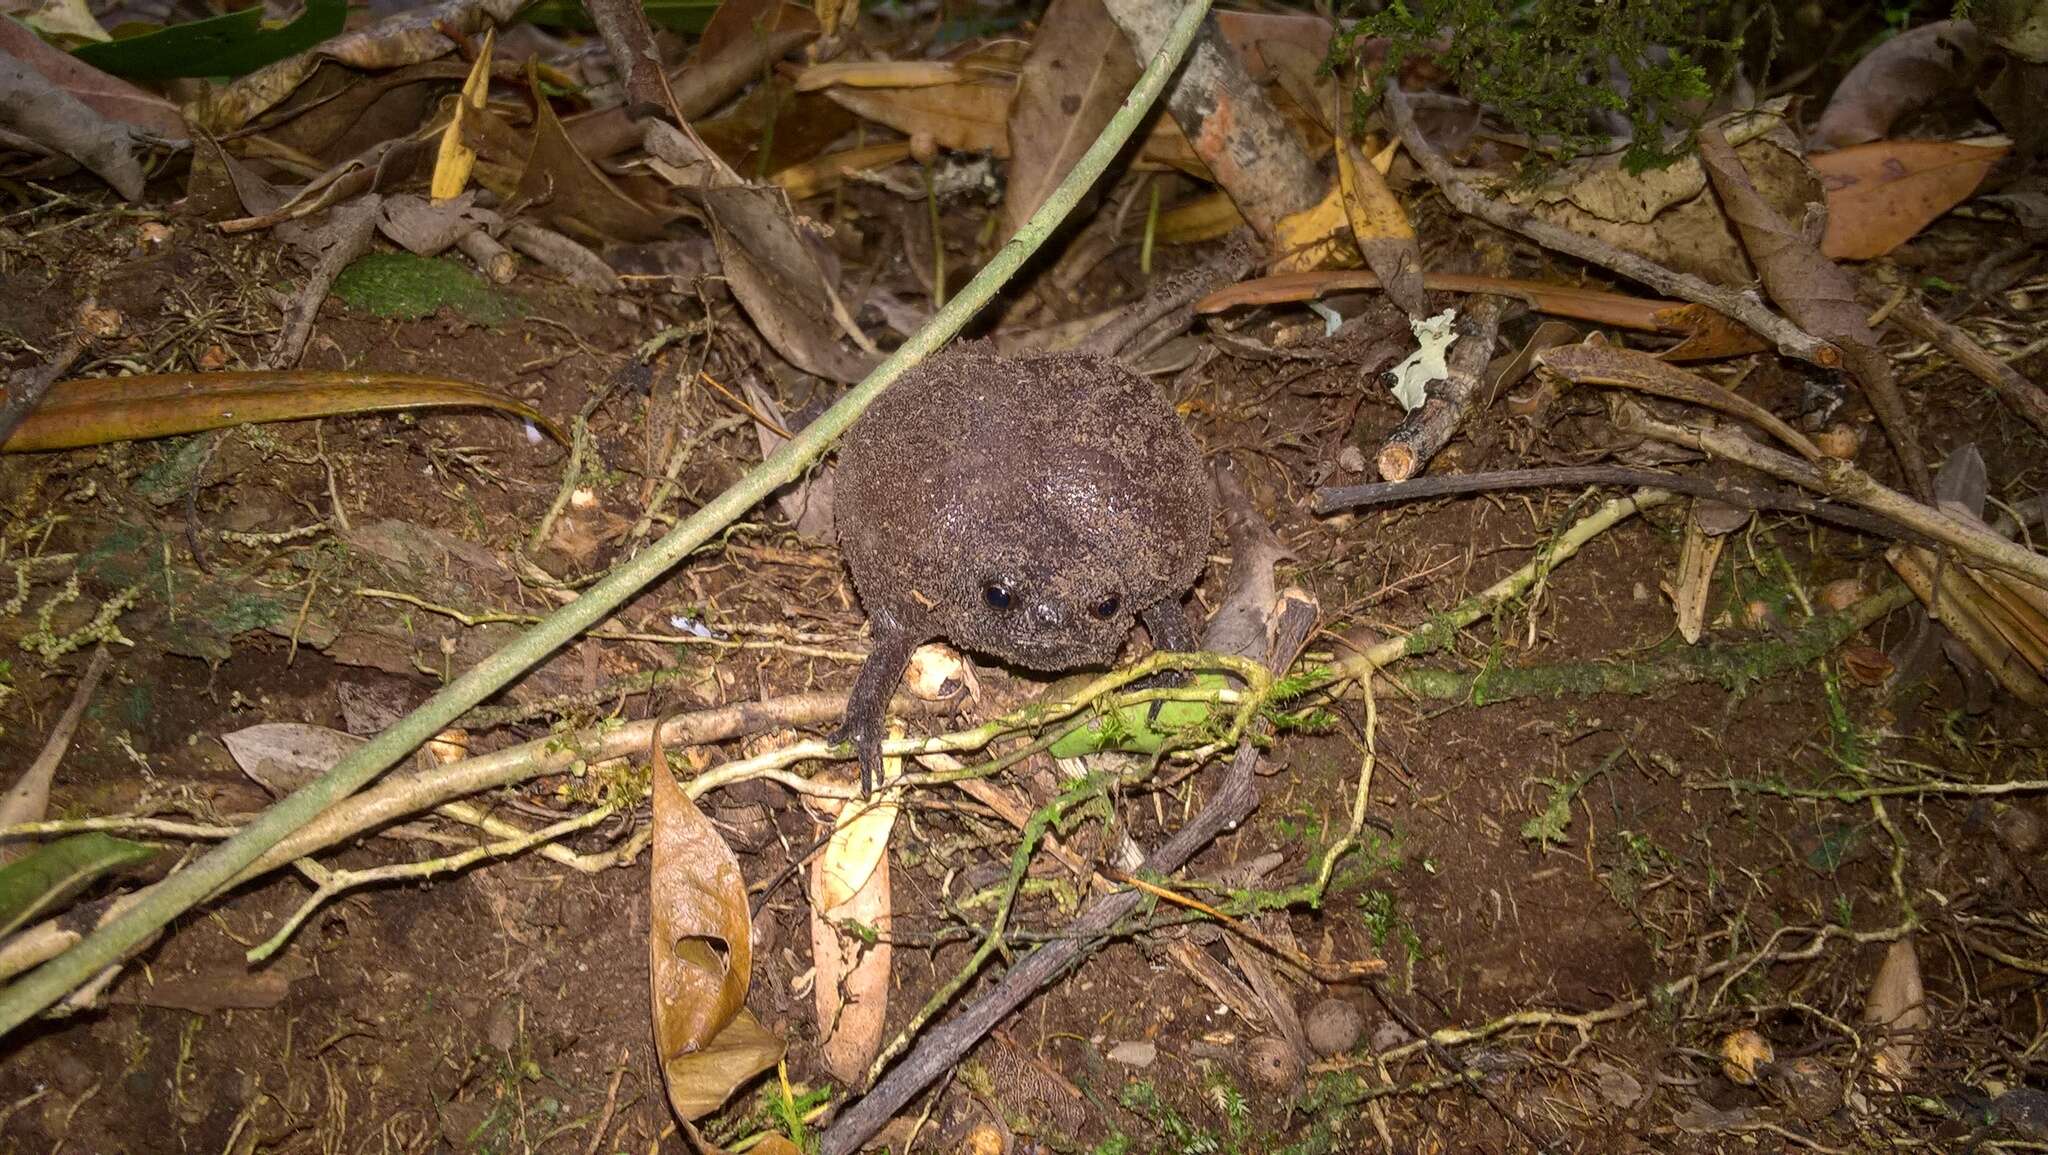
{"type": "Point", "coordinates": [1074, 79]}
{"type": "Point", "coordinates": [1883, 193]}
{"type": "Point", "coordinates": [1905, 72]}
{"type": "Point", "coordinates": [788, 126]}
{"type": "Point", "coordinates": [1207, 217]}
{"type": "Point", "coordinates": [970, 116]}
{"type": "Point", "coordinates": [701, 950]}
{"type": "Point", "coordinates": [1251, 34]}
{"type": "Point", "coordinates": [413, 36]}
{"type": "Point", "coordinates": [775, 274]}
{"type": "Point", "coordinates": [826, 172]}
{"type": "Point", "coordinates": [1897, 1008]}
{"type": "Point", "coordinates": [698, 1082]}
{"type": "Point", "coordinates": [1314, 238]}
{"type": "Point", "coordinates": [1379, 224]}
{"type": "Point", "coordinates": [1667, 215]}
{"type": "Point", "coordinates": [1813, 290]}
{"type": "Point", "coordinates": [34, 107]}
{"type": "Point", "coordinates": [110, 96]}
{"type": "Point", "coordinates": [563, 188]}
{"type": "Point", "coordinates": [887, 74]}
{"type": "Point", "coordinates": [737, 21]}
{"type": "Point", "coordinates": [851, 989]}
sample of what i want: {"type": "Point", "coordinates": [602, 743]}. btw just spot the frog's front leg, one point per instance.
{"type": "Point", "coordinates": [1167, 621]}
{"type": "Point", "coordinates": [869, 702]}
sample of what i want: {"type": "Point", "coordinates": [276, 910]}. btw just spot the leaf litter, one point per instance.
{"type": "Point", "coordinates": [831, 171]}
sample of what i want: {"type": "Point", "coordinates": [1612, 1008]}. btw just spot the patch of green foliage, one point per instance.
{"type": "Point", "coordinates": [231, 44]}
{"type": "Point", "coordinates": [408, 286]}
{"type": "Point", "coordinates": [1555, 68]}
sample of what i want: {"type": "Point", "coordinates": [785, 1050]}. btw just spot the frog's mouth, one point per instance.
{"type": "Point", "coordinates": [1050, 654]}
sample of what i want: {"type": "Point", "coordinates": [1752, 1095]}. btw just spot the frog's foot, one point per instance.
{"type": "Point", "coordinates": [866, 739]}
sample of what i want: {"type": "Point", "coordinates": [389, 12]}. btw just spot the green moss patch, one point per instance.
{"type": "Point", "coordinates": [405, 286]}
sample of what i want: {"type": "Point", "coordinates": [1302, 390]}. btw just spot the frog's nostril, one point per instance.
{"type": "Point", "coordinates": [1046, 614]}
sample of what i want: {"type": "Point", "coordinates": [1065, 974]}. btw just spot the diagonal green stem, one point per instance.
{"type": "Point", "coordinates": [40, 988]}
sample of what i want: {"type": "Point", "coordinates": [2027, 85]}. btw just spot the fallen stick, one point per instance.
{"type": "Point", "coordinates": [1839, 479]}
{"type": "Point", "coordinates": [1339, 498]}
{"type": "Point", "coordinates": [2026, 398]}
{"type": "Point", "coordinates": [1447, 400]}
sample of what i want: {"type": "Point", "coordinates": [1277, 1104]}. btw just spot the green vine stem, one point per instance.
{"type": "Point", "coordinates": [40, 988]}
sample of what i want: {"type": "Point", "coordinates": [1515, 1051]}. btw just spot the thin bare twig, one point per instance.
{"type": "Point", "coordinates": [1842, 480]}
{"type": "Point", "coordinates": [1334, 499]}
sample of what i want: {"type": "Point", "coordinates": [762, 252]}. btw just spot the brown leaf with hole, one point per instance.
{"type": "Point", "coordinates": [700, 943]}
{"type": "Point", "coordinates": [1074, 79]}
{"type": "Point", "coordinates": [1883, 193]}
{"type": "Point", "coordinates": [849, 885]}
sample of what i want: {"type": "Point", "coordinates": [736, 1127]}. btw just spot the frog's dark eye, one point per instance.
{"type": "Point", "coordinates": [1107, 607]}
{"type": "Point", "coordinates": [998, 596]}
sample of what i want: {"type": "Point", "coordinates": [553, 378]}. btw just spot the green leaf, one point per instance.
{"type": "Point", "coordinates": [674, 15]}
{"type": "Point", "coordinates": [44, 880]}
{"type": "Point", "coordinates": [1132, 728]}
{"type": "Point", "coordinates": [229, 45]}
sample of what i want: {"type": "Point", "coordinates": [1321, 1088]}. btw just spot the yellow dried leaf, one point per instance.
{"type": "Point", "coordinates": [454, 160]}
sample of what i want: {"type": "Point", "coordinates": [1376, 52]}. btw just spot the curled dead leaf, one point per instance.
{"type": "Point", "coordinates": [701, 953]}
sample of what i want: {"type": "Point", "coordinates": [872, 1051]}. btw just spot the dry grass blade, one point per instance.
{"type": "Point", "coordinates": [98, 411]}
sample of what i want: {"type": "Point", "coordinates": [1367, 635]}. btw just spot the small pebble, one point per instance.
{"type": "Point", "coordinates": [1333, 1026]}
{"type": "Point", "coordinates": [1136, 1053]}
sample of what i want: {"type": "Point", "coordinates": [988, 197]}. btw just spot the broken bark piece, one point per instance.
{"type": "Point", "coordinates": [1252, 150]}
{"type": "Point", "coordinates": [1426, 430]}
{"type": "Point", "coordinates": [498, 263]}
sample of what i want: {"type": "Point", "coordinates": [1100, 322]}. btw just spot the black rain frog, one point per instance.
{"type": "Point", "coordinates": [1030, 510]}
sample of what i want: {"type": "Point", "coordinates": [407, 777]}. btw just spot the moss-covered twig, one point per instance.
{"type": "Point", "coordinates": [1732, 667]}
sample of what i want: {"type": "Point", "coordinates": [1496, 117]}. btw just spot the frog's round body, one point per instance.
{"type": "Point", "coordinates": [1065, 481]}
{"type": "Point", "coordinates": [1029, 510]}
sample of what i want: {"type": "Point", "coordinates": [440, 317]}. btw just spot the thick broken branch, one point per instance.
{"type": "Point", "coordinates": [1449, 399]}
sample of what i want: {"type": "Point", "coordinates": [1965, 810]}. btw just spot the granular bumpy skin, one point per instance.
{"type": "Point", "coordinates": [1029, 510]}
